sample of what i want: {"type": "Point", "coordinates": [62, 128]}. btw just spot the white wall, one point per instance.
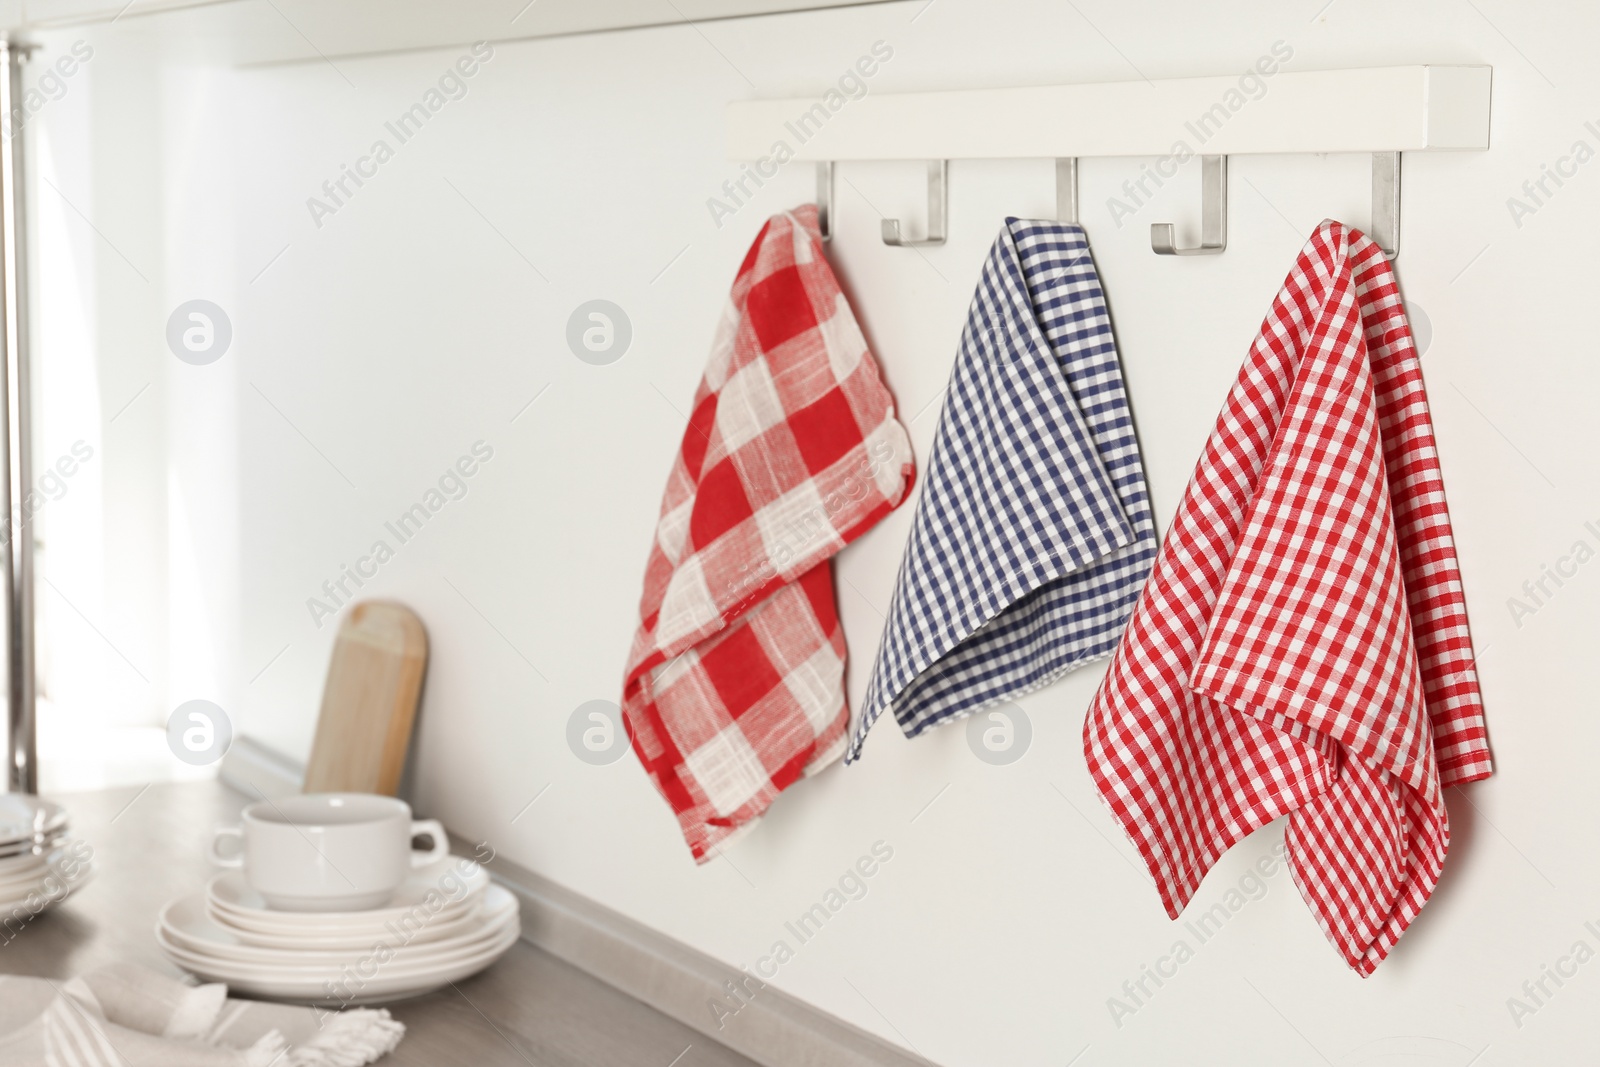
{"type": "Point", "coordinates": [423, 316]}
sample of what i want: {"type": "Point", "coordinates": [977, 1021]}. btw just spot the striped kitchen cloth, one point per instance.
{"type": "Point", "coordinates": [1302, 647]}
{"type": "Point", "coordinates": [121, 1014]}
{"type": "Point", "coordinates": [1033, 533]}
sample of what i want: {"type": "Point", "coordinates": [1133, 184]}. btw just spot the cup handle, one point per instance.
{"type": "Point", "coordinates": [217, 858]}
{"type": "Point", "coordinates": [441, 842]}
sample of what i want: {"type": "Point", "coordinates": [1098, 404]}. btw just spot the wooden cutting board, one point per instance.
{"type": "Point", "coordinates": [369, 702]}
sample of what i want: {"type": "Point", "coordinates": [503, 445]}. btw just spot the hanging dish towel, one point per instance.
{"type": "Point", "coordinates": [735, 685]}
{"type": "Point", "coordinates": [1302, 648]}
{"type": "Point", "coordinates": [123, 1014]}
{"type": "Point", "coordinates": [1033, 532]}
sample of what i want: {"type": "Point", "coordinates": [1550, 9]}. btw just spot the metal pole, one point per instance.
{"type": "Point", "coordinates": [16, 474]}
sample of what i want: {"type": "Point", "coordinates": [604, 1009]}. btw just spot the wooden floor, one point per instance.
{"type": "Point", "coordinates": [528, 1009]}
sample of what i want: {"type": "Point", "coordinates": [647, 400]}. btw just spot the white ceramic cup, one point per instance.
{"type": "Point", "coordinates": [328, 851]}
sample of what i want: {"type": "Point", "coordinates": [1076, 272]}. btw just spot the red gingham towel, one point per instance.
{"type": "Point", "coordinates": [735, 685]}
{"type": "Point", "coordinates": [1302, 645]}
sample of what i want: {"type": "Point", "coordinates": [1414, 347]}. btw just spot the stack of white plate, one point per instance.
{"type": "Point", "coordinates": [445, 923]}
{"type": "Point", "coordinates": [40, 863]}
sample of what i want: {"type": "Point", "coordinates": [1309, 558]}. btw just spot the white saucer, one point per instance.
{"type": "Point", "coordinates": [359, 979]}
{"type": "Point", "coordinates": [17, 894]}
{"type": "Point", "coordinates": [31, 846]}
{"type": "Point", "coordinates": [425, 930]}
{"type": "Point", "coordinates": [20, 862]}
{"type": "Point", "coordinates": [26, 818]}
{"type": "Point", "coordinates": [383, 987]}
{"type": "Point", "coordinates": [189, 927]}
{"type": "Point", "coordinates": [440, 891]}
{"type": "Point", "coordinates": [32, 869]}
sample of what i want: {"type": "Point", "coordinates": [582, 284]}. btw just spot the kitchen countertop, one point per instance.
{"type": "Point", "coordinates": [528, 1009]}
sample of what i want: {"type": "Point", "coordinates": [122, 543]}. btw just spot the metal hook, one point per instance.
{"type": "Point", "coordinates": [825, 201]}
{"type": "Point", "coordinates": [1213, 214]}
{"type": "Point", "coordinates": [1067, 190]}
{"type": "Point", "coordinates": [1386, 202]}
{"type": "Point", "coordinates": [937, 172]}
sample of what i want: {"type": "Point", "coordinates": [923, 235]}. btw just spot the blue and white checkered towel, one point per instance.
{"type": "Point", "coordinates": [1032, 536]}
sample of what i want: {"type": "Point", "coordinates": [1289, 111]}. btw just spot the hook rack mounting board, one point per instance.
{"type": "Point", "coordinates": [1376, 109]}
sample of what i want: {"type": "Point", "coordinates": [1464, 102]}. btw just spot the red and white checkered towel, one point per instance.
{"type": "Point", "coordinates": [735, 685]}
{"type": "Point", "coordinates": [1302, 647]}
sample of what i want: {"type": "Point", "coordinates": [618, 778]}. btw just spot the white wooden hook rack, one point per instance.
{"type": "Point", "coordinates": [1379, 110]}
